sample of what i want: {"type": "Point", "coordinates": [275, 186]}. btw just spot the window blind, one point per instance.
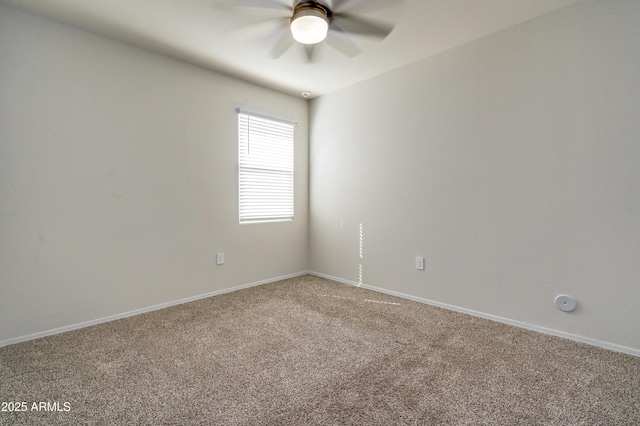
{"type": "Point", "coordinates": [265, 168]}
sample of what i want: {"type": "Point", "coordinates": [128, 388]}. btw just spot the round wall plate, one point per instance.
{"type": "Point", "coordinates": [565, 303]}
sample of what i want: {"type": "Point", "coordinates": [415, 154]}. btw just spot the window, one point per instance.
{"type": "Point", "coordinates": [265, 168]}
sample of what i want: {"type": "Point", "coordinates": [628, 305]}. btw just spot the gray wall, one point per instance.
{"type": "Point", "coordinates": [511, 163]}
{"type": "Point", "coordinates": [118, 179]}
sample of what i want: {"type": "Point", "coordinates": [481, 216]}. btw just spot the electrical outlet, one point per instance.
{"type": "Point", "coordinates": [420, 263]}
{"type": "Point", "coordinates": [219, 258]}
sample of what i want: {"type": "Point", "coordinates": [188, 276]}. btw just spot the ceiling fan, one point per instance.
{"type": "Point", "coordinates": [310, 22]}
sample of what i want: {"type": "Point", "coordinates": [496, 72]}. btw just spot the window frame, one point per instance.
{"type": "Point", "coordinates": [266, 180]}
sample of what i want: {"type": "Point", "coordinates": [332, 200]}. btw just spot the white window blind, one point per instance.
{"type": "Point", "coordinates": [265, 168]}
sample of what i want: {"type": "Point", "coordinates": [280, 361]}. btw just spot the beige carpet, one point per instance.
{"type": "Point", "coordinates": [309, 351]}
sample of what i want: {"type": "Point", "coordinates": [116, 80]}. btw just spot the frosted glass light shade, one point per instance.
{"type": "Point", "coordinates": [309, 28]}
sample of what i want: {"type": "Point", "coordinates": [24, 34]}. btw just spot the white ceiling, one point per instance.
{"type": "Point", "coordinates": [224, 39]}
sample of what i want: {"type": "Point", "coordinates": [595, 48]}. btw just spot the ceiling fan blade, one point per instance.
{"type": "Point", "coordinates": [310, 50]}
{"type": "Point", "coordinates": [282, 44]}
{"type": "Point", "coordinates": [259, 28]}
{"type": "Point", "coordinates": [341, 41]}
{"type": "Point", "coordinates": [363, 5]}
{"type": "Point", "coordinates": [267, 4]}
{"type": "Point", "coordinates": [361, 26]}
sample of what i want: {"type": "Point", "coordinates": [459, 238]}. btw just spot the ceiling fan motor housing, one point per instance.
{"type": "Point", "coordinates": [309, 5]}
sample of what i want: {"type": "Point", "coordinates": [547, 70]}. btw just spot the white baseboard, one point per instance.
{"type": "Point", "coordinates": [605, 345]}
{"type": "Point", "coordinates": [141, 310]}
{"type": "Point", "coordinates": [544, 330]}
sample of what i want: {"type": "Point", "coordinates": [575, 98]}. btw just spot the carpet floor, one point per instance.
{"type": "Point", "coordinates": [310, 351]}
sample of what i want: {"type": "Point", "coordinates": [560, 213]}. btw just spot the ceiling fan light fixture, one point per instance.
{"type": "Point", "coordinates": [309, 26]}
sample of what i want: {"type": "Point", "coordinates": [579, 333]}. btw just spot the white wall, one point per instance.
{"type": "Point", "coordinates": [511, 163]}
{"type": "Point", "coordinates": [118, 179]}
